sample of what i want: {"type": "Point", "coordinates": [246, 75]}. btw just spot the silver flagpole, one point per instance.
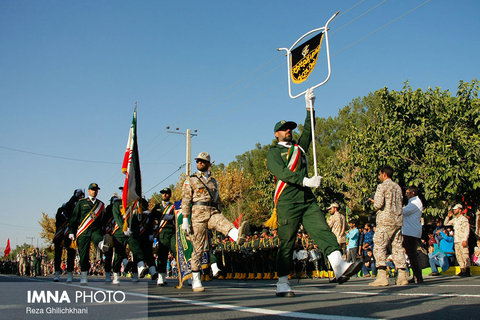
{"type": "Point", "coordinates": [323, 29]}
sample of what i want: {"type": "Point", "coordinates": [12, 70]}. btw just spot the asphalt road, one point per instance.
{"type": "Point", "coordinates": [446, 297]}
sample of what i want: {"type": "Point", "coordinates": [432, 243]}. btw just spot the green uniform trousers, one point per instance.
{"type": "Point", "coordinates": [290, 215]}
{"type": "Point", "coordinates": [166, 243]}
{"type": "Point", "coordinates": [83, 244]}
{"type": "Point", "coordinates": [120, 242]}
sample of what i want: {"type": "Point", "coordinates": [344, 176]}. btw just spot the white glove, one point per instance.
{"type": "Point", "coordinates": [71, 236]}
{"type": "Point", "coordinates": [127, 233]}
{"type": "Point", "coordinates": [309, 98]}
{"type": "Point", "coordinates": [313, 182]}
{"type": "Point", "coordinates": [186, 225]}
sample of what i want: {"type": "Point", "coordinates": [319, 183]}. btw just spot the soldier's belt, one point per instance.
{"type": "Point", "coordinates": [202, 203]}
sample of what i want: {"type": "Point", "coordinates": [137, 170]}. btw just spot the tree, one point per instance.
{"type": "Point", "coordinates": [48, 227]}
{"type": "Point", "coordinates": [430, 138]}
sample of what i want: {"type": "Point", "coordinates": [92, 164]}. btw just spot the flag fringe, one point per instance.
{"type": "Point", "coordinates": [272, 222]}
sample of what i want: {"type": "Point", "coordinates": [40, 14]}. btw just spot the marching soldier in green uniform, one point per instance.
{"type": "Point", "coordinates": [250, 267]}
{"type": "Point", "coordinates": [108, 227]}
{"type": "Point", "coordinates": [218, 253]}
{"type": "Point", "coordinates": [164, 215]}
{"type": "Point", "coordinates": [86, 227]}
{"type": "Point", "coordinates": [296, 203]}
{"type": "Point", "coordinates": [121, 239]}
{"type": "Point", "coordinates": [61, 239]}
{"type": "Point", "coordinates": [275, 244]}
{"type": "Point", "coordinates": [265, 248]}
{"type": "Point", "coordinates": [142, 227]}
{"type": "Point", "coordinates": [257, 257]}
{"type": "Point", "coordinates": [228, 252]}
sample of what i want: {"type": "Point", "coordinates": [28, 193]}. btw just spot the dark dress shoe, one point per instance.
{"type": "Point", "coordinates": [288, 294]}
{"type": "Point", "coordinates": [353, 269]}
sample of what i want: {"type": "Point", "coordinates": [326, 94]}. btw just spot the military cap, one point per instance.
{"type": "Point", "coordinates": [284, 125]}
{"type": "Point", "coordinates": [166, 190]}
{"type": "Point", "coordinates": [457, 206]}
{"type": "Point", "coordinates": [93, 186]}
{"type": "Point", "coordinates": [333, 205]}
{"type": "Point", "coordinates": [203, 156]}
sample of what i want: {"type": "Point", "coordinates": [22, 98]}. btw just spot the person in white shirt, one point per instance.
{"type": "Point", "coordinates": [412, 231]}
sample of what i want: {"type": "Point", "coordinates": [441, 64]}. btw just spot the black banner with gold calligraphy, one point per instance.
{"type": "Point", "coordinates": [304, 57]}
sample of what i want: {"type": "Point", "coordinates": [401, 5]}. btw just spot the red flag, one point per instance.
{"type": "Point", "coordinates": [238, 221]}
{"type": "Point", "coordinates": [132, 190]}
{"type": "Point", "coordinates": [8, 249]}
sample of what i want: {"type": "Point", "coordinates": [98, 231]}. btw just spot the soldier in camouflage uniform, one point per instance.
{"type": "Point", "coordinates": [461, 229]}
{"type": "Point", "coordinates": [337, 223]}
{"type": "Point", "coordinates": [388, 201]}
{"type": "Point", "coordinates": [201, 201]}
{"type": "Point", "coordinates": [22, 263]}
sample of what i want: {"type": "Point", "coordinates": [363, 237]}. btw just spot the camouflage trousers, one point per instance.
{"type": "Point", "coordinates": [383, 237]}
{"type": "Point", "coordinates": [22, 267]}
{"type": "Point", "coordinates": [201, 222]}
{"type": "Point", "coordinates": [461, 254]}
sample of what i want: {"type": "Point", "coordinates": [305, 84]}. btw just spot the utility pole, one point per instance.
{"type": "Point", "coordinates": [31, 238]}
{"type": "Point", "coordinates": [189, 135]}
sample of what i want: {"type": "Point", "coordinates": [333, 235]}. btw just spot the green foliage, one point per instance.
{"type": "Point", "coordinates": [430, 138]}
{"type": "Point", "coordinates": [257, 203]}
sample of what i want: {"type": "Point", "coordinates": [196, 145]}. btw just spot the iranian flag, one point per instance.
{"type": "Point", "coordinates": [132, 189]}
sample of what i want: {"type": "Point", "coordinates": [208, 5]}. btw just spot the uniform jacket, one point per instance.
{"type": "Point", "coordinates": [388, 201]}
{"type": "Point", "coordinates": [82, 209]}
{"type": "Point", "coordinates": [461, 227]}
{"type": "Point", "coordinates": [195, 191]}
{"type": "Point", "coordinates": [157, 212]}
{"type": "Point", "coordinates": [64, 213]}
{"type": "Point", "coordinates": [117, 216]}
{"type": "Point", "coordinates": [336, 222]}
{"type": "Point", "coordinates": [294, 192]}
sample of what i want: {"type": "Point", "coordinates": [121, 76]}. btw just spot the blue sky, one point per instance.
{"type": "Point", "coordinates": [71, 71]}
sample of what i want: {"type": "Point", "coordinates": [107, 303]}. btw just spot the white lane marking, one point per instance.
{"type": "Point", "coordinates": [419, 294]}
{"type": "Point", "coordinates": [262, 311]}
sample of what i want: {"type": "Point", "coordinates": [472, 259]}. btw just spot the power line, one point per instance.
{"type": "Point", "coordinates": [351, 8]}
{"type": "Point", "coordinates": [56, 157]}
{"type": "Point", "coordinates": [358, 17]}
{"type": "Point", "coordinates": [381, 28]}
{"type": "Point", "coordinates": [171, 174]}
{"type": "Point", "coordinates": [71, 159]}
